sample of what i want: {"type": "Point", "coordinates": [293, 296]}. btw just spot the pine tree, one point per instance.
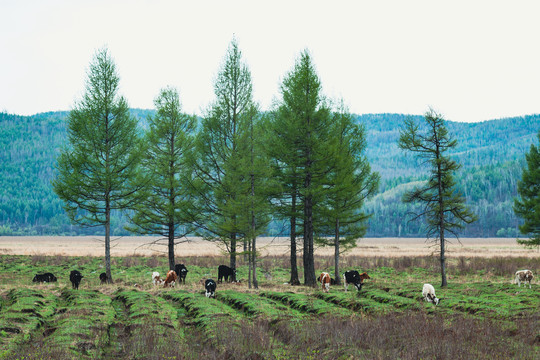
{"type": "Point", "coordinates": [351, 182]}
{"type": "Point", "coordinates": [166, 203]}
{"type": "Point", "coordinates": [95, 172]}
{"type": "Point", "coordinates": [302, 130]}
{"type": "Point", "coordinates": [528, 205]}
{"type": "Point", "coordinates": [218, 159]}
{"type": "Point", "coordinates": [443, 207]}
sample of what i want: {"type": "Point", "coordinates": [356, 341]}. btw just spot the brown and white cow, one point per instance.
{"type": "Point", "coordinates": [524, 276]}
{"type": "Point", "coordinates": [156, 279]}
{"type": "Point", "coordinates": [171, 278]}
{"type": "Point", "coordinates": [324, 279]}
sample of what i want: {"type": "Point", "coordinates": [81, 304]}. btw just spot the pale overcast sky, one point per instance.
{"type": "Point", "coordinates": [469, 60]}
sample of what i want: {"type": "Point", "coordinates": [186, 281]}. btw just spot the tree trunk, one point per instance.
{"type": "Point", "coordinates": [443, 259]}
{"type": "Point", "coordinates": [108, 242]}
{"type": "Point", "coordinates": [249, 263]}
{"type": "Point", "coordinates": [336, 255]}
{"type": "Point", "coordinates": [309, 261]}
{"type": "Point", "coordinates": [171, 246]}
{"type": "Point", "coordinates": [294, 266]}
{"type": "Point", "coordinates": [232, 256]}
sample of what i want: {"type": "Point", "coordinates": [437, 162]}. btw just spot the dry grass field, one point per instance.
{"type": "Point", "coordinates": [151, 246]}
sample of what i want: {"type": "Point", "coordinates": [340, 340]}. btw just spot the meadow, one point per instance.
{"type": "Point", "coordinates": [482, 314]}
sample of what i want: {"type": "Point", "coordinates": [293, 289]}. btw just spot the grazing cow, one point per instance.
{"type": "Point", "coordinates": [210, 287]}
{"type": "Point", "coordinates": [364, 276]}
{"type": "Point", "coordinates": [324, 278]}
{"type": "Point", "coordinates": [75, 277]}
{"type": "Point", "coordinates": [428, 292]}
{"type": "Point", "coordinates": [156, 279]}
{"type": "Point", "coordinates": [181, 271]}
{"type": "Point", "coordinates": [47, 277]}
{"type": "Point", "coordinates": [524, 276]}
{"type": "Point", "coordinates": [353, 277]}
{"type": "Point", "coordinates": [170, 280]}
{"type": "Point", "coordinates": [103, 277]}
{"type": "Point", "coordinates": [225, 272]}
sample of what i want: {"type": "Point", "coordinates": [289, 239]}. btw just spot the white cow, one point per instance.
{"type": "Point", "coordinates": [428, 292]}
{"type": "Point", "coordinates": [524, 276]}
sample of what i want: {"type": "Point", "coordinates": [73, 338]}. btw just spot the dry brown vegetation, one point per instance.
{"type": "Point", "coordinates": [144, 246]}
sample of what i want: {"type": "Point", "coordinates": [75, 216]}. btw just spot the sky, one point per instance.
{"type": "Point", "coordinates": [468, 60]}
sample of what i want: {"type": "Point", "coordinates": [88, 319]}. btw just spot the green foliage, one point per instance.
{"type": "Point", "coordinates": [443, 208]}
{"type": "Point", "coordinates": [221, 178]}
{"type": "Point", "coordinates": [96, 172]}
{"type": "Point", "coordinates": [303, 151]}
{"type": "Point", "coordinates": [166, 202]}
{"type": "Point", "coordinates": [528, 205]}
{"type": "Point", "coordinates": [491, 154]}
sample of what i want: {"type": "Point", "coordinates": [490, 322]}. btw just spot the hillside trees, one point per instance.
{"type": "Point", "coordinates": [95, 172]}
{"type": "Point", "coordinates": [166, 202]}
{"type": "Point", "coordinates": [350, 182]}
{"type": "Point", "coordinates": [303, 150]}
{"type": "Point", "coordinates": [527, 206]}
{"type": "Point", "coordinates": [442, 206]}
{"type": "Point", "coordinates": [219, 160]}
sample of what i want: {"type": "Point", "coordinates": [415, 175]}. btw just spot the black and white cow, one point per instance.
{"type": "Point", "coordinates": [226, 272]}
{"type": "Point", "coordinates": [47, 277]}
{"type": "Point", "coordinates": [352, 277]}
{"type": "Point", "coordinates": [103, 277]}
{"type": "Point", "coordinates": [75, 277]}
{"type": "Point", "coordinates": [181, 271]}
{"type": "Point", "coordinates": [210, 286]}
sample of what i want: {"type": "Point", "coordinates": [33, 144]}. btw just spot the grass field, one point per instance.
{"type": "Point", "coordinates": [482, 314]}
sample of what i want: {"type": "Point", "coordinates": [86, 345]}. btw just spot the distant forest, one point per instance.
{"type": "Point", "coordinates": [491, 154]}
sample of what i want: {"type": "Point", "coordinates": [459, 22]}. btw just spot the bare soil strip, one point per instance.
{"type": "Point", "coordinates": [267, 246]}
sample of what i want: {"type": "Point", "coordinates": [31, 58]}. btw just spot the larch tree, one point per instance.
{"type": "Point", "coordinates": [527, 206]}
{"type": "Point", "coordinates": [443, 207]}
{"type": "Point", "coordinates": [166, 202]}
{"type": "Point", "coordinates": [350, 183]}
{"type": "Point", "coordinates": [95, 171]}
{"type": "Point", "coordinates": [306, 140]}
{"type": "Point", "coordinates": [218, 167]}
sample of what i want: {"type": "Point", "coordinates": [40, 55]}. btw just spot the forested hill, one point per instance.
{"type": "Point", "coordinates": [491, 152]}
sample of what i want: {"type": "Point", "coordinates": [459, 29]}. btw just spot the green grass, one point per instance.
{"type": "Point", "coordinates": [123, 321]}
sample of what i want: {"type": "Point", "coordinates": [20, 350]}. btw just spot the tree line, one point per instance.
{"type": "Point", "coordinates": [223, 178]}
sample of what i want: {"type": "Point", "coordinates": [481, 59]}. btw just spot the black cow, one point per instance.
{"type": "Point", "coordinates": [352, 277]}
{"type": "Point", "coordinates": [181, 271]}
{"type": "Point", "coordinates": [210, 286]}
{"type": "Point", "coordinates": [47, 277]}
{"type": "Point", "coordinates": [103, 277]}
{"type": "Point", "coordinates": [225, 272]}
{"type": "Point", "coordinates": [75, 277]}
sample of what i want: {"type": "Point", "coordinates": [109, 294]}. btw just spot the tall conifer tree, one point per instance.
{"type": "Point", "coordinates": [96, 170]}
{"type": "Point", "coordinates": [303, 125]}
{"type": "Point", "coordinates": [443, 206]}
{"type": "Point", "coordinates": [218, 159]}
{"type": "Point", "coordinates": [350, 182]}
{"type": "Point", "coordinates": [528, 205]}
{"type": "Point", "coordinates": [166, 203]}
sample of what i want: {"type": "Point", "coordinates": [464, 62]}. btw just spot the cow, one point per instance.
{"type": "Point", "coordinates": [181, 271]}
{"type": "Point", "coordinates": [210, 287]}
{"type": "Point", "coordinates": [524, 276]}
{"type": "Point", "coordinates": [428, 292]}
{"type": "Point", "coordinates": [353, 277]}
{"type": "Point", "coordinates": [47, 277]}
{"type": "Point", "coordinates": [103, 277]}
{"type": "Point", "coordinates": [225, 272]}
{"type": "Point", "coordinates": [364, 276]}
{"type": "Point", "coordinates": [75, 277]}
{"type": "Point", "coordinates": [156, 279]}
{"type": "Point", "coordinates": [171, 278]}
{"type": "Point", "coordinates": [324, 279]}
